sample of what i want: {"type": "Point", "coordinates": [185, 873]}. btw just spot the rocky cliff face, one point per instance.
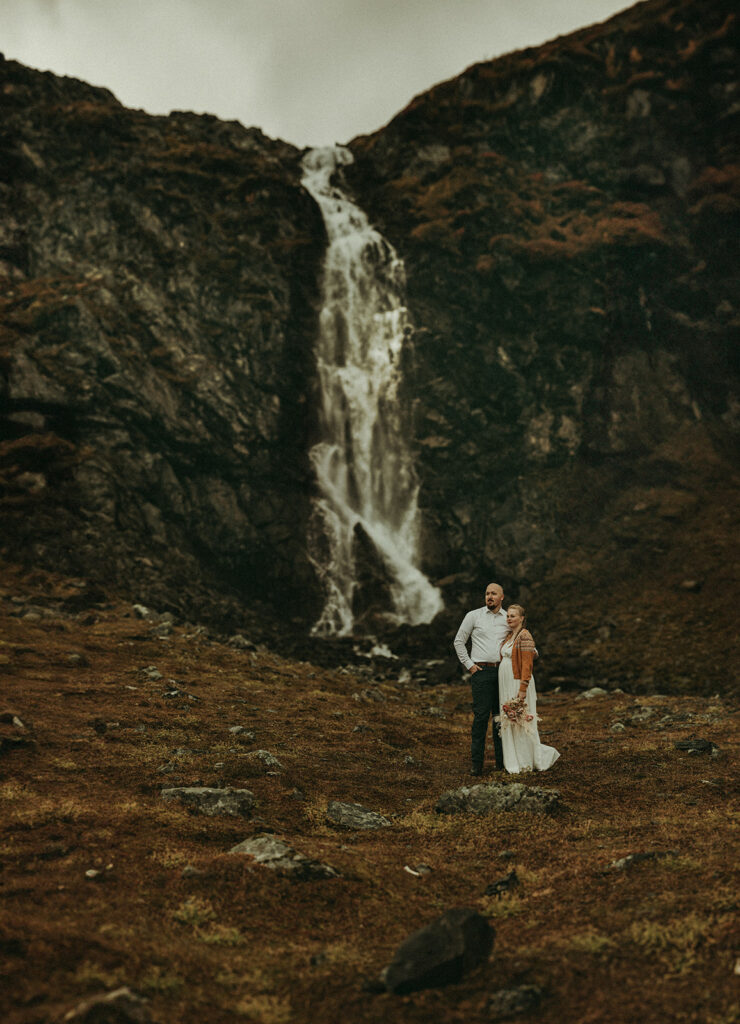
{"type": "Point", "coordinates": [569, 217]}
{"type": "Point", "coordinates": [569, 220]}
{"type": "Point", "coordinates": [158, 311]}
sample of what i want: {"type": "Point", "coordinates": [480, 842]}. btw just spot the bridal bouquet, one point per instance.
{"type": "Point", "coordinates": [517, 712]}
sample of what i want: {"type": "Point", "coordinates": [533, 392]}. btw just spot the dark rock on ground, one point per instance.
{"type": "Point", "coordinates": [503, 885]}
{"type": "Point", "coordinates": [354, 816]}
{"type": "Point", "coordinates": [277, 855]}
{"type": "Point", "coordinates": [487, 798]}
{"type": "Point", "coordinates": [511, 1002]}
{"type": "Point", "coordinates": [119, 1007]}
{"type": "Point", "coordinates": [441, 953]}
{"type": "Point", "coordinates": [695, 745]}
{"type": "Point", "coordinates": [206, 800]}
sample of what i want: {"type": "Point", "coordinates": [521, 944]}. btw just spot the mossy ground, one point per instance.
{"type": "Point", "coordinates": [654, 942]}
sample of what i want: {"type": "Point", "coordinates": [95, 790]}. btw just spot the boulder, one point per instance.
{"type": "Point", "coordinates": [487, 798]}
{"type": "Point", "coordinates": [237, 803]}
{"type": "Point", "coordinates": [441, 953]}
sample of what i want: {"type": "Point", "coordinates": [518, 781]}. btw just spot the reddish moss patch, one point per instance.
{"type": "Point", "coordinates": [229, 942]}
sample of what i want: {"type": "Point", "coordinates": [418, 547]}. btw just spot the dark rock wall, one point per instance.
{"type": "Point", "coordinates": [158, 317]}
{"type": "Point", "coordinates": [570, 217]}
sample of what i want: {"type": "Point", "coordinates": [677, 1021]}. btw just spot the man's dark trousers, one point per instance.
{"type": "Point", "coordinates": [484, 684]}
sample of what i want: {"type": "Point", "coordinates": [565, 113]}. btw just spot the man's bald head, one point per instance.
{"type": "Point", "coordinates": [494, 596]}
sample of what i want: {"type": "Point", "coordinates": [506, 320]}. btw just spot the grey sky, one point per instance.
{"type": "Point", "coordinates": [313, 72]}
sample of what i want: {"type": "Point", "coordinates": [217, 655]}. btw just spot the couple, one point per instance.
{"type": "Point", "coordinates": [500, 663]}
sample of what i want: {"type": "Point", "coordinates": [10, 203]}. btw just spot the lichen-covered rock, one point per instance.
{"type": "Point", "coordinates": [488, 798]}
{"type": "Point", "coordinates": [440, 953]}
{"type": "Point", "coordinates": [354, 816]}
{"type": "Point", "coordinates": [205, 800]}
{"type": "Point", "coordinates": [260, 761]}
{"type": "Point", "coordinates": [277, 855]}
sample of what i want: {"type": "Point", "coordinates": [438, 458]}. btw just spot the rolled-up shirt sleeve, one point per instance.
{"type": "Point", "coordinates": [463, 635]}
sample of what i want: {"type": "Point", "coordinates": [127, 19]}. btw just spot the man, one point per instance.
{"type": "Point", "coordinates": [485, 628]}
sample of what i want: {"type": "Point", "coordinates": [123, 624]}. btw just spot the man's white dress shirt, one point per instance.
{"type": "Point", "coordinates": [485, 629]}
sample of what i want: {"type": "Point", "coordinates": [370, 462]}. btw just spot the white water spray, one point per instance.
{"type": "Point", "coordinates": [363, 463]}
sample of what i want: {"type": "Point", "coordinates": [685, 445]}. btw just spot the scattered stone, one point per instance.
{"type": "Point", "coordinates": [354, 816]}
{"type": "Point", "coordinates": [370, 695]}
{"type": "Point", "coordinates": [636, 858]}
{"type": "Point", "coordinates": [418, 870]}
{"type": "Point", "coordinates": [241, 643]}
{"type": "Point", "coordinates": [695, 745]}
{"type": "Point", "coordinates": [152, 672]}
{"type": "Point", "coordinates": [433, 712]}
{"type": "Point", "coordinates": [173, 694]}
{"type": "Point", "coordinates": [242, 735]}
{"type": "Point", "coordinates": [408, 759]}
{"type": "Point", "coordinates": [692, 585]}
{"type": "Point", "coordinates": [14, 734]}
{"type": "Point", "coordinates": [617, 727]}
{"type": "Point", "coordinates": [642, 714]}
{"type": "Point", "coordinates": [142, 612]}
{"type": "Point", "coordinates": [487, 798]}
{"type": "Point", "coordinates": [510, 1002]}
{"type": "Point", "coordinates": [362, 728]}
{"type": "Point", "coordinates": [191, 872]}
{"type": "Point", "coordinates": [119, 1007]}
{"type": "Point", "coordinates": [11, 718]}
{"type": "Point", "coordinates": [297, 794]}
{"type": "Point", "coordinates": [503, 885]}
{"type": "Point", "coordinates": [210, 801]}
{"type": "Point", "coordinates": [276, 855]}
{"type": "Point", "coordinates": [441, 953]}
{"type": "Point", "coordinates": [263, 761]}
{"type": "Point", "coordinates": [507, 855]}
{"type": "Point", "coordinates": [595, 691]}
{"type": "Point", "coordinates": [76, 660]}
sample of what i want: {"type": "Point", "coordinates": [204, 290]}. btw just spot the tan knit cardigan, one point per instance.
{"type": "Point", "coordinates": [522, 656]}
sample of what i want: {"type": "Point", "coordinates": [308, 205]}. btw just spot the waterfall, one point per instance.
{"type": "Point", "coordinates": [362, 462]}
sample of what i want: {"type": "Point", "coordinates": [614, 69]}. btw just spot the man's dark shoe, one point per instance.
{"type": "Point", "coordinates": [476, 769]}
{"type": "Point", "coordinates": [498, 768]}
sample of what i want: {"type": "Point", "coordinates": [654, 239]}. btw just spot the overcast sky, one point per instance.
{"type": "Point", "coordinates": [313, 72]}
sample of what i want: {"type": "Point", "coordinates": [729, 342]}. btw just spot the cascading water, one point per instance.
{"type": "Point", "coordinates": [363, 463]}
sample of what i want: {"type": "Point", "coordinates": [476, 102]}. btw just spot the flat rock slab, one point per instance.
{"type": "Point", "coordinates": [276, 855]}
{"type": "Point", "coordinates": [441, 953]}
{"type": "Point", "coordinates": [354, 816]}
{"type": "Point", "coordinates": [238, 803]}
{"type": "Point", "coordinates": [119, 1007]}
{"type": "Point", "coordinates": [486, 798]}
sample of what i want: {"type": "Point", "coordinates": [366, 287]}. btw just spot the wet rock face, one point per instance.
{"type": "Point", "coordinates": [158, 313]}
{"type": "Point", "coordinates": [571, 278]}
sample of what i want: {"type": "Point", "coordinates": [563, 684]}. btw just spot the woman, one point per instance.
{"type": "Point", "coordinates": [519, 736]}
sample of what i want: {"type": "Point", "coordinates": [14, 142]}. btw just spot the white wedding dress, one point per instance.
{"type": "Point", "coordinates": [521, 742]}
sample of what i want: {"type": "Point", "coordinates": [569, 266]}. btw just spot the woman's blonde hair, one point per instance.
{"type": "Point", "coordinates": [512, 635]}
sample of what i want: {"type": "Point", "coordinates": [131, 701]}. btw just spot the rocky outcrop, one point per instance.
{"type": "Point", "coordinates": [158, 313]}
{"type": "Point", "coordinates": [569, 218]}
